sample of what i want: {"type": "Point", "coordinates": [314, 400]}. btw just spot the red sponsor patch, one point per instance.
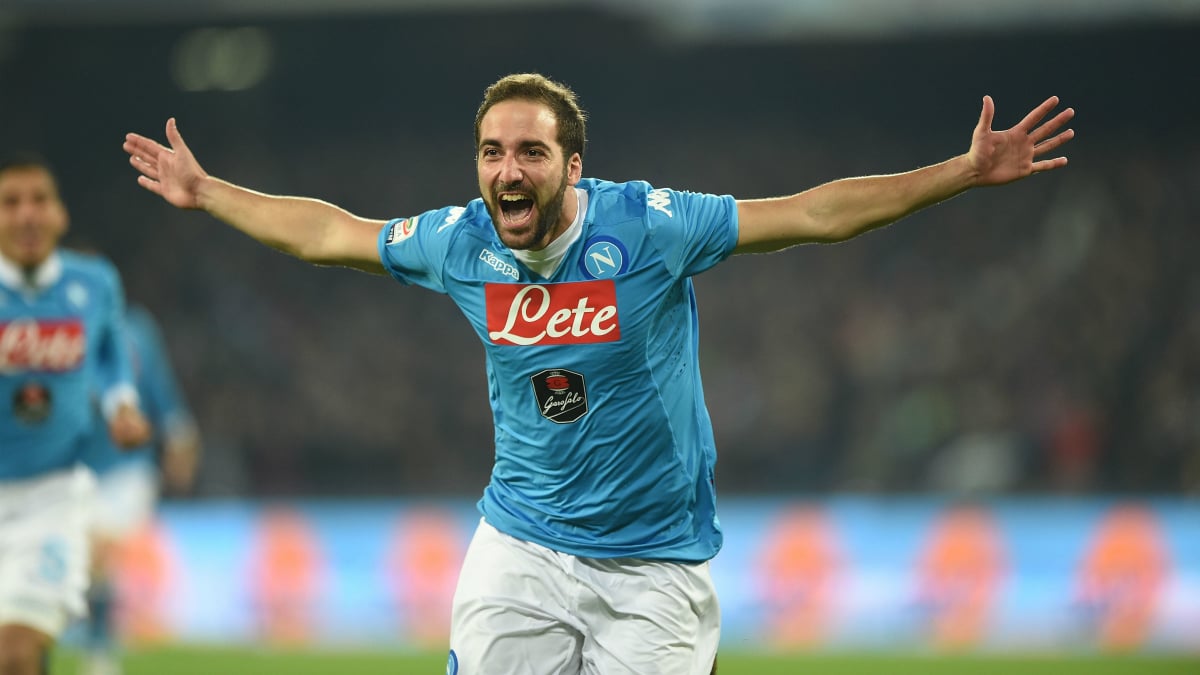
{"type": "Point", "coordinates": [553, 314]}
{"type": "Point", "coordinates": [557, 382]}
{"type": "Point", "coordinates": [41, 345]}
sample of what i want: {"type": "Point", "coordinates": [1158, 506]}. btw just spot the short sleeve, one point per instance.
{"type": "Point", "coordinates": [692, 231]}
{"type": "Point", "coordinates": [114, 362]}
{"type": "Point", "coordinates": [413, 250]}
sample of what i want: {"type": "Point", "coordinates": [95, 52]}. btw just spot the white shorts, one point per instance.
{"type": "Point", "coordinates": [523, 609]}
{"type": "Point", "coordinates": [44, 549]}
{"type": "Point", "coordinates": [125, 499]}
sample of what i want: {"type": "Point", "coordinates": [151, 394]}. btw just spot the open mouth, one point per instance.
{"type": "Point", "coordinates": [515, 208]}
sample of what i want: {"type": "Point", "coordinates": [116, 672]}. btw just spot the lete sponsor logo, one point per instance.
{"type": "Point", "coordinates": [41, 345]}
{"type": "Point", "coordinates": [553, 314]}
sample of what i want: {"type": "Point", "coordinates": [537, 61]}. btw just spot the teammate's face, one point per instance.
{"type": "Point", "coordinates": [32, 216]}
{"type": "Point", "coordinates": [523, 175]}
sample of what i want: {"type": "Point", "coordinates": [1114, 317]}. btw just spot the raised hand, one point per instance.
{"type": "Point", "coordinates": [1000, 157]}
{"type": "Point", "coordinates": [171, 173]}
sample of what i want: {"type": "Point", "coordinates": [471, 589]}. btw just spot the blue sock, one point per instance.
{"type": "Point", "coordinates": [100, 634]}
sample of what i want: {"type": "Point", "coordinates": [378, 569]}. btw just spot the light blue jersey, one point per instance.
{"type": "Point", "coordinates": [161, 401]}
{"type": "Point", "coordinates": [60, 344]}
{"type": "Point", "coordinates": [604, 447]}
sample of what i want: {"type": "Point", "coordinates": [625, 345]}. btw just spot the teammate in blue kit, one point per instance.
{"type": "Point", "coordinates": [128, 479]}
{"type": "Point", "coordinates": [60, 345]}
{"type": "Point", "coordinates": [599, 519]}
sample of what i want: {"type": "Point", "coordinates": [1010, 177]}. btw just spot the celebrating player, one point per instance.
{"type": "Point", "coordinates": [60, 342]}
{"type": "Point", "coordinates": [599, 519]}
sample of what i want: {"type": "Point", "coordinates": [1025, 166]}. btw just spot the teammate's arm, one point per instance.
{"type": "Point", "coordinates": [128, 427]}
{"type": "Point", "coordinates": [309, 229]}
{"type": "Point", "coordinates": [180, 457]}
{"type": "Point", "coordinates": [119, 400]}
{"type": "Point", "coordinates": [177, 430]}
{"type": "Point", "coordinates": [846, 208]}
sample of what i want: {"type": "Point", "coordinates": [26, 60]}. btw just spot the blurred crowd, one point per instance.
{"type": "Point", "coordinates": [1042, 338]}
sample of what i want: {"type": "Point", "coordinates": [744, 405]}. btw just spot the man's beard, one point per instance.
{"type": "Point", "coordinates": [547, 217]}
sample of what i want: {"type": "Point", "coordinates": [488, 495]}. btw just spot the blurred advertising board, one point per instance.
{"type": "Point", "coordinates": [836, 573]}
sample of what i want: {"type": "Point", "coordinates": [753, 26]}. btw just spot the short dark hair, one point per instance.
{"type": "Point", "coordinates": [23, 161]}
{"type": "Point", "coordinates": [558, 97]}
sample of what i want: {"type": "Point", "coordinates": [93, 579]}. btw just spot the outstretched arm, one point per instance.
{"type": "Point", "coordinates": [846, 208]}
{"type": "Point", "coordinates": [309, 229]}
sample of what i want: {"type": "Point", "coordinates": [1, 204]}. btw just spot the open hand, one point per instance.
{"type": "Point", "coordinates": [1000, 157]}
{"type": "Point", "coordinates": [171, 173]}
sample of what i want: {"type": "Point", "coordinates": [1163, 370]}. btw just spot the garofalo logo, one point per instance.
{"type": "Point", "coordinates": [561, 395]}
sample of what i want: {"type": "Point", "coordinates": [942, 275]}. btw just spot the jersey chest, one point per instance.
{"type": "Point", "coordinates": [607, 315]}
{"type": "Point", "coordinates": [47, 332]}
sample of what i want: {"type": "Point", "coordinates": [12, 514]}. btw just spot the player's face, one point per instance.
{"type": "Point", "coordinates": [32, 217]}
{"type": "Point", "coordinates": [523, 175]}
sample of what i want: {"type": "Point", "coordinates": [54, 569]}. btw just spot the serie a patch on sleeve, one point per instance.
{"type": "Point", "coordinates": [402, 229]}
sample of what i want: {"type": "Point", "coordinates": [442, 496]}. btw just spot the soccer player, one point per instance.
{"type": "Point", "coordinates": [128, 479]}
{"type": "Point", "coordinates": [60, 344]}
{"type": "Point", "coordinates": [599, 520]}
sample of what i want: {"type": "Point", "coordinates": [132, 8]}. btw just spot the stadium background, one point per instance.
{"type": "Point", "coordinates": [1025, 361]}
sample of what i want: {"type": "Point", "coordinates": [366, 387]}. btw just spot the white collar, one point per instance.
{"type": "Point", "coordinates": [42, 278]}
{"type": "Point", "coordinates": [546, 261]}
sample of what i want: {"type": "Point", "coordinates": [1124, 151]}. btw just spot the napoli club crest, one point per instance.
{"type": "Point", "coordinates": [604, 257]}
{"type": "Point", "coordinates": [561, 395]}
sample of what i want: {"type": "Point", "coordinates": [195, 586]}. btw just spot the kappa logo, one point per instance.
{"type": "Point", "coordinates": [502, 266]}
{"type": "Point", "coordinates": [451, 218]}
{"type": "Point", "coordinates": [660, 200]}
{"type": "Point", "coordinates": [603, 257]}
{"type": "Point", "coordinates": [402, 229]}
